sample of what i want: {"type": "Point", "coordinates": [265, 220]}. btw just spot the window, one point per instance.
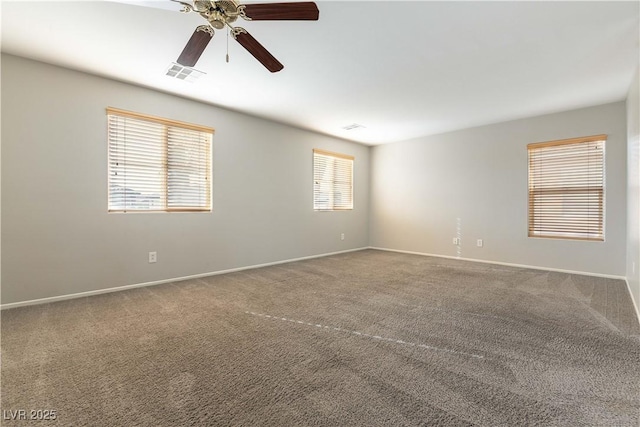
{"type": "Point", "coordinates": [566, 188]}
{"type": "Point", "coordinates": [332, 181]}
{"type": "Point", "coordinates": [157, 164]}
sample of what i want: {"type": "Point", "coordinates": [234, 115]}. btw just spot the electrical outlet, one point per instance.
{"type": "Point", "coordinates": [479, 243]}
{"type": "Point", "coordinates": [342, 236]}
{"type": "Point", "coordinates": [153, 257]}
{"type": "Point", "coordinates": [456, 240]}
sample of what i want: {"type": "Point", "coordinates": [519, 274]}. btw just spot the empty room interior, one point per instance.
{"type": "Point", "coordinates": [338, 213]}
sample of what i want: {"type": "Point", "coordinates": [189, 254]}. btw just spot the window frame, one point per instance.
{"type": "Point", "coordinates": [572, 184]}
{"type": "Point", "coordinates": [337, 157]}
{"type": "Point", "coordinates": [206, 131]}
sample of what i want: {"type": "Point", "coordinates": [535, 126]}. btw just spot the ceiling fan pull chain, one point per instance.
{"type": "Point", "coordinates": [228, 46]}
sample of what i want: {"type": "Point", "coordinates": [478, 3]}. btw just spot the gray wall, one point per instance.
{"type": "Point", "coordinates": [473, 183]}
{"type": "Point", "coordinates": [633, 188]}
{"type": "Point", "coordinates": [57, 237]}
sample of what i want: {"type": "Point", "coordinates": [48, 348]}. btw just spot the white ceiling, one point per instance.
{"type": "Point", "coordinates": [401, 69]}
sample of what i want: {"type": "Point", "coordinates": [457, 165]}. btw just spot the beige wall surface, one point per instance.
{"type": "Point", "coordinates": [472, 184]}
{"type": "Point", "coordinates": [633, 188]}
{"type": "Point", "coordinates": [57, 237]}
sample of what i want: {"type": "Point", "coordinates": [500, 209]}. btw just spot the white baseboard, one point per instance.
{"type": "Point", "coordinates": [232, 270]}
{"type": "Point", "coordinates": [159, 282]}
{"type": "Point", "coordinates": [534, 267]}
{"type": "Point", "coordinates": [635, 303]}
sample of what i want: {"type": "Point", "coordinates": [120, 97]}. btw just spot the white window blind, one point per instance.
{"type": "Point", "coordinates": [566, 188]}
{"type": "Point", "coordinates": [157, 164]}
{"type": "Point", "coordinates": [332, 181]}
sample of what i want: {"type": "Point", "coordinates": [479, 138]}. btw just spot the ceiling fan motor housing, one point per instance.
{"type": "Point", "coordinates": [217, 13]}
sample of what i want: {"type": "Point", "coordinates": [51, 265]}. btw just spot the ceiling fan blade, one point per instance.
{"type": "Point", "coordinates": [256, 49]}
{"type": "Point", "coordinates": [304, 11]}
{"type": "Point", "coordinates": [195, 46]}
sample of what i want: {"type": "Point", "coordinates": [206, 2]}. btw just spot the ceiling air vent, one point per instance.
{"type": "Point", "coordinates": [353, 126]}
{"type": "Point", "coordinates": [184, 73]}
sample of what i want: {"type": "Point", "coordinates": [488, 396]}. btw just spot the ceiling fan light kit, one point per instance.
{"type": "Point", "coordinates": [221, 14]}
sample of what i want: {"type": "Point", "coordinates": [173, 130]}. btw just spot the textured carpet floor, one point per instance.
{"type": "Point", "coordinates": [364, 338]}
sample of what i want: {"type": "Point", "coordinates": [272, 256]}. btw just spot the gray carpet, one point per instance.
{"type": "Point", "coordinates": [364, 338]}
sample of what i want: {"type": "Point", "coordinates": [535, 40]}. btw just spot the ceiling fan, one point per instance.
{"type": "Point", "coordinates": [223, 13]}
